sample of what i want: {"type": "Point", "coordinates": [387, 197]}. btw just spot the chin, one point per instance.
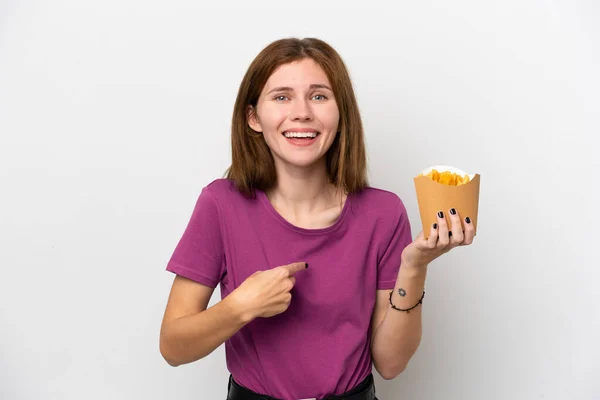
{"type": "Point", "coordinates": [302, 162]}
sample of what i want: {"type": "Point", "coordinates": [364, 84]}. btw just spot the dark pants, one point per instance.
{"type": "Point", "coordinates": [363, 391]}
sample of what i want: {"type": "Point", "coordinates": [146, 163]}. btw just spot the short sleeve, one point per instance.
{"type": "Point", "coordinates": [199, 255]}
{"type": "Point", "coordinates": [397, 240]}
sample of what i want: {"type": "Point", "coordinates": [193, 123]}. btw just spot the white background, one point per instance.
{"type": "Point", "coordinates": [114, 115]}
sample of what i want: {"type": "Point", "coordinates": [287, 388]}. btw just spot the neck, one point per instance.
{"type": "Point", "coordinates": [304, 190]}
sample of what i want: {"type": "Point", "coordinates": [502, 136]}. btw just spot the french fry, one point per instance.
{"type": "Point", "coordinates": [447, 177]}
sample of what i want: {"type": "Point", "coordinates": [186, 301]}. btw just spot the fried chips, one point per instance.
{"type": "Point", "coordinates": [447, 177]}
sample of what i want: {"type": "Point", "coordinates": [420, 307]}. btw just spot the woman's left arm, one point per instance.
{"type": "Point", "coordinates": [396, 335]}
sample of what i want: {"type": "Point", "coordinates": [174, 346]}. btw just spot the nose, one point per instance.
{"type": "Point", "coordinates": [301, 111]}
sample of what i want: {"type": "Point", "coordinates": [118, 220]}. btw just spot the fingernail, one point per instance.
{"type": "Point", "coordinates": [468, 220]}
{"type": "Point", "coordinates": [306, 264]}
{"type": "Point", "coordinates": [435, 226]}
{"type": "Point", "coordinates": [441, 214]}
{"type": "Point", "coordinates": [452, 211]}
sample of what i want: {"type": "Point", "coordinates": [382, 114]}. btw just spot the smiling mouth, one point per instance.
{"type": "Point", "coordinates": [301, 135]}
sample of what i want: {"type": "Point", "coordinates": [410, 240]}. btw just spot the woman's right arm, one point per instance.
{"type": "Point", "coordinates": [190, 331]}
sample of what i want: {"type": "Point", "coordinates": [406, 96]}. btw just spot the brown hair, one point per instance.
{"type": "Point", "coordinates": [252, 164]}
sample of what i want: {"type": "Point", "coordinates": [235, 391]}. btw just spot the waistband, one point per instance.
{"type": "Point", "coordinates": [363, 391]}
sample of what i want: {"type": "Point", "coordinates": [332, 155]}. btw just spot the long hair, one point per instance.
{"type": "Point", "coordinates": [252, 164]}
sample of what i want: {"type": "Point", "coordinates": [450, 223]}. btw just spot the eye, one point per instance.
{"type": "Point", "coordinates": [280, 98]}
{"type": "Point", "coordinates": [322, 97]}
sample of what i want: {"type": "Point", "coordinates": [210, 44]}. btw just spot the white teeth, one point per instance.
{"type": "Point", "coordinates": [300, 134]}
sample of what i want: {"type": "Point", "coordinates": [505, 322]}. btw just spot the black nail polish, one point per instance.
{"type": "Point", "coordinates": [441, 214]}
{"type": "Point", "coordinates": [435, 226]}
{"type": "Point", "coordinates": [452, 211]}
{"type": "Point", "coordinates": [468, 220]}
{"type": "Point", "coordinates": [306, 264]}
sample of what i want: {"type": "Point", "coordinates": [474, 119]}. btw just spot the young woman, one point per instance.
{"type": "Point", "coordinates": [320, 278]}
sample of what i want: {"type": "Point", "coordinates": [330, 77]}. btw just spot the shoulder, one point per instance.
{"type": "Point", "coordinates": [223, 189]}
{"type": "Point", "coordinates": [219, 186]}
{"type": "Point", "coordinates": [219, 200]}
{"type": "Point", "coordinates": [383, 214]}
{"type": "Point", "coordinates": [378, 201]}
{"type": "Point", "coordinates": [226, 197]}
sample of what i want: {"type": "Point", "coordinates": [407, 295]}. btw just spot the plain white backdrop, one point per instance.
{"type": "Point", "coordinates": [115, 114]}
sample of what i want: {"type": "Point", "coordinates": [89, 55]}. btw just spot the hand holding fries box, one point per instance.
{"type": "Point", "coordinates": [442, 187]}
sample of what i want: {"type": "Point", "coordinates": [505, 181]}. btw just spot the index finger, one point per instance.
{"type": "Point", "coordinates": [295, 267]}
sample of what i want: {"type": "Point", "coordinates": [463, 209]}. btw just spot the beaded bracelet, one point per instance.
{"type": "Point", "coordinates": [408, 309]}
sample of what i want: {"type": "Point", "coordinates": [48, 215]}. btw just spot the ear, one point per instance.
{"type": "Point", "coordinates": [252, 118]}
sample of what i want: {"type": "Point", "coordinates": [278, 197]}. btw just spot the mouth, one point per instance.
{"type": "Point", "coordinates": [295, 136]}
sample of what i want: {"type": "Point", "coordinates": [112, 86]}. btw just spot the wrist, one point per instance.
{"type": "Point", "coordinates": [238, 308]}
{"type": "Point", "coordinates": [413, 271]}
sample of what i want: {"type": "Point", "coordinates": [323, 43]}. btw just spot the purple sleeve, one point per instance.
{"type": "Point", "coordinates": [199, 255]}
{"type": "Point", "coordinates": [398, 239]}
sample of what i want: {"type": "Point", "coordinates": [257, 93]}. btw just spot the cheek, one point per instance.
{"type": "Point", "coordinates": [330, 114]}
{"type": "Point", "coordinates": [272, 117]}
{"type": "Point", "coordinates": [333, 119]}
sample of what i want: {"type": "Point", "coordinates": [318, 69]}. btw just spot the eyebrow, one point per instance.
{"type": "Point", "coordinates": [289, 89]}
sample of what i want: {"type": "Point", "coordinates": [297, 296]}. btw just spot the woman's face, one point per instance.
{"type": "Point", "coordinates": [297, 113]}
